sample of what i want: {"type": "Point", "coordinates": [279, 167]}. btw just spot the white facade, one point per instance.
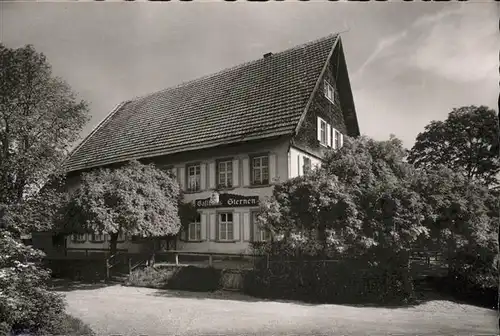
{"type": "Point", "coordinates": [283, 162]}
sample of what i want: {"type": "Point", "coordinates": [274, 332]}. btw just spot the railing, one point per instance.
{"type": "Point", "coordinates": [88, 251]}
{"type": "Point", "coordinates": [210, 255]}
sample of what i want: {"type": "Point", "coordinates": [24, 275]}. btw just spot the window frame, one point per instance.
{"type": "Point", "coordinates": [257, 232]}
{"type": "Point", "coordinates": [329, 91]}
{"type": "Point", "coordinates": [322, 123]}
{"type": "Point", "coordinates": [309, 168]}
{"type": "Point", "coordinates": [262, 182]}
{"type": "Point", "coordinates": [94, 235]}
{"type": "Point", "coordinates": [229, 163]}
{"type": "Point", "coordinates": [197, 230]}
{"type": "Point", "coordinates": [76, 237]}
{"type": "Point", "coordinates": [188, 185]}
{"type": "Point", "coordinates": [219, 225]}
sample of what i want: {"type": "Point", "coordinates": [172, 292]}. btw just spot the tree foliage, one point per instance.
{"type": "Point", "coordinates": [136, 200]}
{"type": "Point", "coordinates": [361, 201]}
{"type": "Point", "coordinates": [467, 141]}
{"type": "Point", "coordinates": [40, 118]}
{"type": "Point", "coordinates": [26, 304]}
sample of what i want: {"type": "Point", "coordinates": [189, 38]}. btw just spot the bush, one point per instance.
{"type": "Point", "coordinates": [26, 304]}
{"type": "Point", "coordinates": [346, 281]}
{"type": "Point", "coordinates": [177, 277]}
{"type": "Point", "coordinates": [72, 326]}
{"type": "Point", "coordinates": [83, 270]}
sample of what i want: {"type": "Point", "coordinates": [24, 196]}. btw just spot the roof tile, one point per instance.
{"type": "Point", "coordinates": [262, 98]}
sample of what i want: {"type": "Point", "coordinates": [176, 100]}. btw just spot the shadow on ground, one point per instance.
{"type": "Point", "coordinates": [422, 297]}
{"type": "Point", "coordinates": [65, 285]}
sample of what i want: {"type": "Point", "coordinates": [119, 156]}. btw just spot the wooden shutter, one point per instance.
{"type": "Point", "coordinates": [272, 167]}
{"type": "Point", "coordinates": [173, 171]}
{"type": "Point", "coordinates": [298, 166]}
{"type": "Point", "coordinates": [181, 177]}
{"type": "Point", "coordinates": [211, 175]}
{"type": "Point", "coordinates": [246, 226]}
{"type": "Point", "coordinates": [203, 218]}
{"type": "Point", "coordinates": [203, 176]}
{"type": "Point", "coordinates": [236, 172]}
{"type": "Point", "coordinates": [236, 226]}
{"type": "Point", "coordinates": [246, 171]}
{"type": "Point", "coordinates": [213, 227]}
{"type": "Point", "coordinates": [341, 139]}
{"type": "Point", "coordinates": [329, 130]}
{"type": "Point", "coordinates": [319, 129]}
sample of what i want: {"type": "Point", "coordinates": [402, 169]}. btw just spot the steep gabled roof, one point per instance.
{"type": "Point", "coordinates": [260, 99]}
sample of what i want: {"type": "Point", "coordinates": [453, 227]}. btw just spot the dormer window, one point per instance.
{"type": "Point", "coordinates": [329, 92]}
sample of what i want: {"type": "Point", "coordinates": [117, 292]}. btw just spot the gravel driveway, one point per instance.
{"type": "Point", "coordinates": [140, 311]}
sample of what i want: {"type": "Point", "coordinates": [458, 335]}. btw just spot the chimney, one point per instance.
{"type": "Point", "coordinates": [269, 54]}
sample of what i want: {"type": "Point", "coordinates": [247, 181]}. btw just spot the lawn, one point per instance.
{"type": "Point", "coordinates": [142, 311]}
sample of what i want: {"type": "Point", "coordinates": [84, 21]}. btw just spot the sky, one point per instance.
{"type": "Point", "coordinates": [409, 63]}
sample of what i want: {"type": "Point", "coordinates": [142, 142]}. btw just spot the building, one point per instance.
{"type": "Point", "coordinates": [230, 136]}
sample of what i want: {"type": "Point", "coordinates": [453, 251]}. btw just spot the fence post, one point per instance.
{"type": "Point", "coordinates": [177, 258]}
{"type": "Point", "coordinates": [129, 265]}
{"type": "Point", "coordinates": [107, 268]}
{"type": "Point", "coordinates": [210, 261]}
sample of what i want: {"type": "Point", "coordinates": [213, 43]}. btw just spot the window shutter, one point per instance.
{"type": "Point", "coordinates": [203, 176]}
{"type": "Point", "coordinates": [298, 166]}
{"type": "Point", "coordinates": [329, 130]}
{"type": "Point", "coordinates": [181, 177]}
{"type": "Point", "coordinates": [211, 175]}
{"type": "Point", "coordinates": [246, 171]}
{"type": "Point", "coordinates": [236, 226]}
{"type": "Point", "coordinates": [272, 167]}
{"type": "Point", "coordinates": [203, 218]}
{"type": "Point", "coordinates": [236, 172]}
{"type": "Point", "coordinates": [246, 226]}
{"type": "Point", "coordinates": [319, 129]}
{"type": "Point", "coordinates": [341, 140]}
{"type": "Point", "coordinates": [213, 227]}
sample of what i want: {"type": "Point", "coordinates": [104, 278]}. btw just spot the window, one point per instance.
{"type": "Point", "coordinates": [119, 239]}
{"type": "Point", "coordinates": [225, 174]}
{"type": "Point", "coordinates": [306, 168]}
{"type": "Point", "coordinates": [260, 170]}
{"type": "Point", "coordinates": [80, 238]}
{"type": "Point", "coordinates": [323, 135]}
{"type": "Point", "coordinates": [338, 139]}
{"type": "Point", "coordinates": [261, 235]}
{"type": "Point", "coordinates": [97, 238]}
{"type": "Point", "coordinates": [194, 229]}
{"type": "Point", "coordinates": [329, 92]}
{"type": "Point", "coordinates": [225, 226]}
{"type": "Point", "coordinates": [194, 177]}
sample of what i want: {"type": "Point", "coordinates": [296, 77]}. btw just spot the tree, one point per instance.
{"type": "Point", "coordinates": [40, 118]}
{"type": "Point", "coordinates": [135, 200]}
{"type": "Point", "coordinates": [467, 141]}
{"type": "Point", "coordinates": [361, 201]}
{"type": "Point", "coordinates": [464, 223]}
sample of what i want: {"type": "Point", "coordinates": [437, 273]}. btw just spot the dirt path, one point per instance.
{"type": "Point", "coordinates": [139, 311]}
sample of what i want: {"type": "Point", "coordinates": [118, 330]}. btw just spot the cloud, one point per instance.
{"type": "Point", "coordinates": [383, 45]}
{"type": "Point", "coordinates": [460, 44]}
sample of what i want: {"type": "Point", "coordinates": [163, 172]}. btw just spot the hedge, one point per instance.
{"type": "Point", "coordinates": [190, 278]}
